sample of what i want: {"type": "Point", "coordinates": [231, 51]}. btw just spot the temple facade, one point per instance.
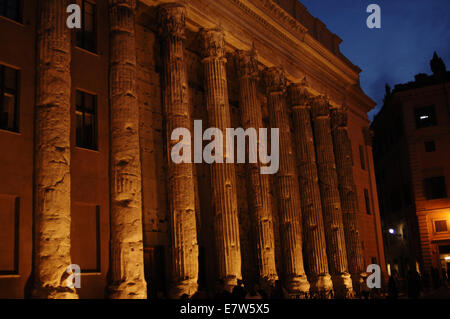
{"type": "Point", "coordinates": [86, 120]}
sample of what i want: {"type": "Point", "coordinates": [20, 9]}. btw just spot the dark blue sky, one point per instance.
{"type": "Point", "coordinates": [411, 30]}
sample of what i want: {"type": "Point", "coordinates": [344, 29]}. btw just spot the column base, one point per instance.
{"type": "Point", "coordinates": [322, 287]}
{"type": "Point", "coordinates": [54, 293]}
{"type": "Point", "coordinates": [230, 282]}
{"type": "Point", "coordinates": [186, 287]}
{"type": "Point", "coordinates": [358, 282]}
{"type": "Point", "coordinates": [343, 288]}
{"type": "Point", "coordinates": [128, 290]}
{"type": "Point", "coordinates": [268, 282]}
{"type": "Point", "coordinates": [298, 287]}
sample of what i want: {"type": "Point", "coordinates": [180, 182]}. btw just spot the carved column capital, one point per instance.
{"type": "Point", "coordinates": [299, 95]}
{"type": "Point", "coordinates": [213, 43]}
{"type": "Point", "coordinates": [123, 3]}
{"type": "Point", "coordinates": [339, 117]}
{"type": "Point", "coordinates": [320, 106]}
{"type": "Point", "coordinates": [172, 20]}
{"type": "Point", "coordinates": [246, 64]}
{"type": "Point", "coordinates": [274, 79]}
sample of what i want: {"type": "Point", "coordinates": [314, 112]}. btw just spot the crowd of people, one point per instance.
{"type": "Point", "coordinates": [412, 287]}
{"type": "Point", "coordinates": [416, 284]}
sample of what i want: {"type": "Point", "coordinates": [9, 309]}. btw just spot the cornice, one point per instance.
{"type": "Point", "coordinates": [280, 39]}
{"type": "Point", "coordinates": [280, 14]}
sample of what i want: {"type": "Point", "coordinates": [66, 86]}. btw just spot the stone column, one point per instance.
{"type": "Point", "coordinates": [52, 153]}
{"type": "Point", "coordinates": [184, 249]}
{"type": "Point", "coordinates": [260, 200]}
{"type": "Point", "coordinates": [331, 205]}
{"type": "Point", "coordinates": [223, 179]}
{"type": "Point", "coordinates": [127, 259]}
{"type": "Point", "coordinates": [347, 191]}
{"type": "Point", "coordinates": [313, 229]}
{"type": "Point", "coordinates": [287, 185]}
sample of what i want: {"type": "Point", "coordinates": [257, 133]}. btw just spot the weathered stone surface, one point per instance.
{"type": "Point", "coordinates": [314, 244]}
{"type": "Point", "coordinates": [180, 177]}
{"type": "Point", "coordinates": [223, 179]}
{"type": "Point", "coordinates": [331, 205]}
{"type": "Point", "coordinates": [127, 260]}
{"type": "Point", "coordinates": [52, 153]}
{"type": "Point", "coordinates": [287, 184]}
{"type": "Point", "coordinates": [347, 190]}
{"type": "Point", "coordinates": [260, 198]}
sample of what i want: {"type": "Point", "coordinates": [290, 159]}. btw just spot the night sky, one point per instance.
{"type": "Point", "coordinates": [411, 30]}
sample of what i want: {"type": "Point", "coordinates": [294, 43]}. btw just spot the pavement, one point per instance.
{"type": "Point", "coordinates": [441, 293]}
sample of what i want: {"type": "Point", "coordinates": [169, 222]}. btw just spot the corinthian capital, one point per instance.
{"type": "Point", "coordinates": [274, 79]}
{"type": "Point", "coordinates": [339, 117]}
{"type": "Point", "coordinates": [172, 20]}
{"type": "Point", "coordinates": [299, 95]}
{"type": "Point", "coordinates": [246, 64]}
{"type": "Point", "coordinates": [213, 43]}
{"type": "Point", "coordinates": [320, 106]}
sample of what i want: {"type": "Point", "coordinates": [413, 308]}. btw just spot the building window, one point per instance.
{"type": "Point", "coordinates": [435, 187]}
{"type": "Point", "coordinates": [367, 200]}
{"type": "Point", "coordinates": [9, 113]}
{"type": "Point", "coordinates": [425, 116]}
{"type": "Point", "coordinates": [430, 146]}
{"type": "Point", "coordinates": [87, 35]}
{"type": "Point", "coordinates": [11, 9]}
{"type": "Point", "coordinates": [86, 117]}
{"type": "Point", "coordinates": [440, 226]}
{"type": "Point", "coordinates": [361, 157]}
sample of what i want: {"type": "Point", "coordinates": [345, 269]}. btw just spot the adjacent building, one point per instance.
{"type": "Point", "coordinates": [412, 164]}
{"type": "Point", "coordinates": [86, 179]}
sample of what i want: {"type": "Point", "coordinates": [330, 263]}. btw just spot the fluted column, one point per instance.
{"type": "Point", "coordinates": [260, 200]}
{"type": "Point", "coordinates": [223, 179]}
{"type": "Point", "coordinates": [313, 229]}
{"type": "Point", "coordinates": [287, 185]}
{"type": "Point", "coordinates": [347, 191]}
{"type": "Point", "coordinates": [331, 205]}
{"type": "Point", "coordinates": [127, 259]}
{"type": "Point", "coordinates": [52, 153]}
{"type": "Point", "coordinates": [184, 249]}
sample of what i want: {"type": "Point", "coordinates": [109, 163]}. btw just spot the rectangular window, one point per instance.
{"type": "Point", "coordinates": [87, 35]}
{"type": "Point", "coordinates": [11, 9]}
{"type": "Point", "coordinates": [9, 113]}
{"type": "Point", "coordinates": [430, 146]}
{"type": "Point", "coordinates": [86, 117]}
{"type": "Point", "coordinates": [425, 116]}
{"type": "Point", "coordinates": [367, 200]}
{"type": "Point", "coordinates": [440, 226]}
{"type": "Point", "coordinates": [435, 187]}
{"type": "Point", "coordinates": [361, 157]}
